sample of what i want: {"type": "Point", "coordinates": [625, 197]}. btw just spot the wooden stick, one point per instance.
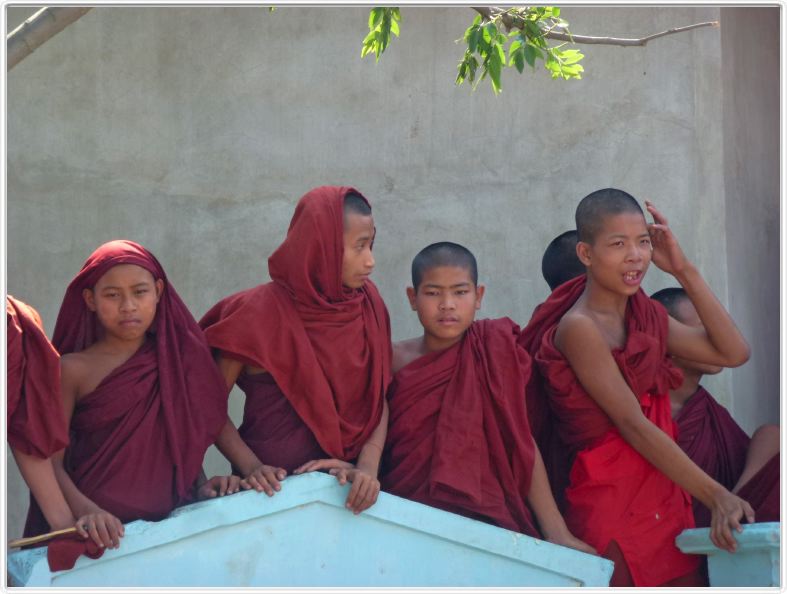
{"type": "Point", "coordinates": [30, 540]}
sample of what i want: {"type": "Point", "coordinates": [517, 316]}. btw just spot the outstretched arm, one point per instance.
{"type": "Point", "coordinates": [581, 343]}
{"type": "Point", "coordinates": [104, 528]}
{"type": "Point", "coordinates": [718, 341]}
{"type": "Point", "coordinates": [541, 501]}
{"type": "Point", "coordinates": [39, 474]}
{"type": "Point", "coordinates": [257, 475]}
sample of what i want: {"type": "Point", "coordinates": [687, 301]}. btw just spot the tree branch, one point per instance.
{"type": "Point", "coordinates": [512, 22]}
{"type": "Point", "coordinates": [44, 24]}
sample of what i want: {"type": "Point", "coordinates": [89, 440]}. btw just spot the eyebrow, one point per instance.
{"type": "Point", "coordinates": [435, 286]}
{"type": "Point", "coordinates": [134, 286]}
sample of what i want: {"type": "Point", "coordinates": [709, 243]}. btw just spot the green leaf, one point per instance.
{"type": "Point", "coordinates": [571, 56]}
{"type": "Point", "coordinates": [477, 20]}
{"type": "Point", "coordinates": [397, 15]}
{"type": "Point", "coordinates": [472, 41]}
{"type": "Point", "coordinates": [375, 16]}
{"type": "Point", "coordinates": [501, 53]}
{"type": "Point", "coordinates": [530, 54]}
{"type": "Point", "coordinates": [395, 28]}
{"type": "Point", "coordinates": [556, 12]}
{"type": "Point", "coordinates": [519, 60]}
{"type": "Point", "coordinates": [489, 32]}
{"type": "Point", "coordinates": [515, 45]}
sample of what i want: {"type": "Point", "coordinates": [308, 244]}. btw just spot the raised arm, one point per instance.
{"type": "Point", "coordinates": [718, 342]}
{"type": "Point", "coordinates": [259, 476]}
{"type": "Point", "coordinates": [581, 343]}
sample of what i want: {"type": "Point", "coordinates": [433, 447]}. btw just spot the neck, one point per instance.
{"type": "Point", "coordinates": [118, 346]}
{"type": "Point", "coordinates": [679, 396]}
{"type": "Point", "coordinates": [601, 300]}
{"type": "Point", "coordinates": [433, 344]}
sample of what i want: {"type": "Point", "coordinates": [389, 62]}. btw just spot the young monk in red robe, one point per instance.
{"type": "Point", "coordinates": [36, 425]}
{"type": "Point", "coordinates": [601, 346]}
{"type": "Point", "coordinates": [141, 393]}
{"type": "Point", "coordinates": [312, 351]}
{"type": "Point", "coordinates": [459, 437]}
{"type": "Point", "coordinates": [711, 437]}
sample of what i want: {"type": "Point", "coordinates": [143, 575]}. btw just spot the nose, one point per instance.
{"type": "Point", "coordinates": [128, 303]}
{"type": "Point", "coordinates": [634, 254]}
{"type": "Point", "coordinates": [370, 260]}
{"type": "Point", "coordinates": [447, 303]}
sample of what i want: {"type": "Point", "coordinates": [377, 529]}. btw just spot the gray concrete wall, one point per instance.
{"type": "Point", "coordinates": [195, 130]}
{"type": "Point", "coordinates": [751, 125]}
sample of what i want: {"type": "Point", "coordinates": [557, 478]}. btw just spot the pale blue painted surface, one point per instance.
{"type": "Point", "coordinates": [303, 536]}
{"type": "Point", "coordinates": [754, 563]}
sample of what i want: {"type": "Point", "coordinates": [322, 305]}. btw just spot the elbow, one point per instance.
{"type": "Point", "coordinates": [741, 356]}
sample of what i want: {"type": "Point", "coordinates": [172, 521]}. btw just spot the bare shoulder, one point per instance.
{"type": "Point", "coordinates": [75, 365]}
{"type": "Point", "coordinates": [406, 351]}
{"type": "Point", "coordinates": [576, 327]}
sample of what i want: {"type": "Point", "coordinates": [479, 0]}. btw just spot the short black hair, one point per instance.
{"type": "Point", "coordinates": [443, 253]}
{"type": "Point", "coordinates": [598, 205]}
{"type": "Point", "coordinates": [670, 298]}
{"type": "Point", "coordinates": [356, 204]}
{"type": "Point", "coordinates": [560, 262]}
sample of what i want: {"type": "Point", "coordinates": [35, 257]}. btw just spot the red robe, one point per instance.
{"type": "Point", "coordinates": [458, 436]}
{"type": "Point", "coordinates": [717, 444]}
{"type": "Point", "coordinates": [138, 440]}
{"type": "Point", "coordinates": [327, 347]}
{"type": "Point", "coordinates": [614, 494]}
{"type": "Point", "coordinates": [36, 425]}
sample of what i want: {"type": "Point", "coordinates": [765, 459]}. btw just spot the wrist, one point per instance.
{"type": "Point", "coordinates": [686, 275]}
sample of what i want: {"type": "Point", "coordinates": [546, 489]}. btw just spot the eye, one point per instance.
{"type": "Point", "coordinates": [618, 243]}
{"type": "Point", "coordinates": [645, 241]}
{"type": "Point", "coordinates": [141, 291]}
{"type": "Point", "coordinates": [462, 292]}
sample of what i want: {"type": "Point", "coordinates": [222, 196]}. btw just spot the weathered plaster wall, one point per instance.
{"type": "Point", "coordinates": [195, 130]}
{"type": "Point", "coordinates": [751, 126]}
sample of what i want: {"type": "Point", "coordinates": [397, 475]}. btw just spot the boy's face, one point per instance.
{"type": "Point", "coordinates": [446, 302]}
{"type": "Point", "coordinates": [125, 301]}
{"type": "Point", "coordinates": [358, 261]}
{"type": "Point", "coordinates": [620, 253]}
{"type": "Point", "coordinates": [686, 314]}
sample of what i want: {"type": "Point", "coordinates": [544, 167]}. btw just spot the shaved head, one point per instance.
{"type": "Point", "coordinates": [560, 262]}
{"type": "Point", "coordinates": [671, 299]}
{"type": "Point", "coordinates": [594, 208]}
{"type": "Point", "coordinates": [356, 204]}
{"type": "Point", "coordinates": [443, 253]}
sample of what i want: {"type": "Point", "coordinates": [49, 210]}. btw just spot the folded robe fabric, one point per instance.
{"type": "Point", "coordinates": [458, 436]}
{"type": "Point", "coordinates": [327, 347]}
{"type": "Point", "coordinates": [762, 491]}
{"type": "Point", "coordinates": [36, 424]}
{"type": "Point", "coordinates": [138, 440]}
{"type": "Point", "coordinates": [714, 441]}
{"type": "Point", "coordinates": [614, 494]}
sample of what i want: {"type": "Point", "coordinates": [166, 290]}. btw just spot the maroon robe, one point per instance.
{"type": "Point", "coordinates": [762, 491]}
{"type": "Point", "coordinates": [272, 428]}
{"type": "Point", "coordinates": [327, 347]}
{"type": "Point", "coordinates": [714, 441]}
{"type": "Point", "coordinates": [615, 497]}
{"type": "Point", "coordinates": [717, 444]}
{"type": "Point", "coordinates": [458, 436]}
{"type": "Point", "coordinates": [138, 440]}
{"type": "Point", "coordinates": [36, 424]}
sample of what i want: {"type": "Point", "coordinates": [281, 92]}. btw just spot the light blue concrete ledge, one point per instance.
{"type": "Point", "coordinates": [303, 536]}
{"type": "Point", "coordinates": [755, 562]}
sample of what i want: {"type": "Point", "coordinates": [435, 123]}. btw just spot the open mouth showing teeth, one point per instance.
{"type": "Point", "coordinates": [632, 276]}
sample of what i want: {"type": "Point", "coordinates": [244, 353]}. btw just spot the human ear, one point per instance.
{"type": "Point", "coordinates": [159, 289]}
{"type": "Point", "coordinates": [583, 252]}
{"type": "Point", "coordinates": [89, 298]}
{"type": "Point", "coordinates": [411, 297]}
{"type": "Point", "coordinates": [479, 295]}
